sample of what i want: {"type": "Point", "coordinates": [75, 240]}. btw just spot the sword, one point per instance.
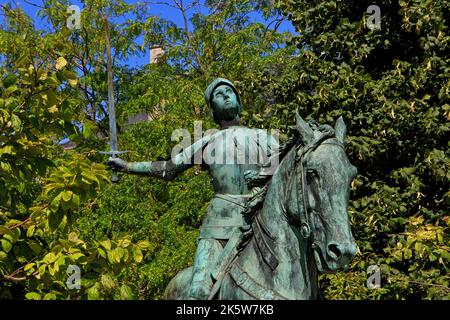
{"type": "Point", "coordinates": [113, 152]}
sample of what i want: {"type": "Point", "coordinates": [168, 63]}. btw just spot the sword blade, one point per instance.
{"type": "Point", "coordinates": [111, 110]}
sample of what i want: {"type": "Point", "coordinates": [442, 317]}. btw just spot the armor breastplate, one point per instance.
{"type": "Point", "coordinates": [224, 215]}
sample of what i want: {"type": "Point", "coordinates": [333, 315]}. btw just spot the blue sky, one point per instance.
{"type": "Point", "coordinates": [160, 10]}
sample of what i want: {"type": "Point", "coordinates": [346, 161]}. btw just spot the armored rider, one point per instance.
{"type": "Point", "coordinates": [232, 155]}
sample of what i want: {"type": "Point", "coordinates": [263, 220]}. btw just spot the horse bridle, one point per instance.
{"type": "Point", "coordinates": [301, 155]}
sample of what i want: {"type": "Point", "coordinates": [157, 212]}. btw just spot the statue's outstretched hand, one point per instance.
{"type": "Point", "coordinates": [117, 164]}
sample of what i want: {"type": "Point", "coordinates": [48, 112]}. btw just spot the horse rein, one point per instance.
{"type": "Point", "coordinates": [305, 221]}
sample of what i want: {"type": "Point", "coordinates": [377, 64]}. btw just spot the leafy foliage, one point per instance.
{"type": "Point", "coordinates": [58, 209]}
{"type": "Point", "coordinates": [391, 86]}
{"type": "Point", "coordinates": [43, 189]}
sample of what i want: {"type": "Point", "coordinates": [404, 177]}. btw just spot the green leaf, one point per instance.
{"type": "Point", "coordinates": [50, 296]}
{"type": "Point", "coordinates": [116, 254]}
{"type": "Point", "coordinates": [51, 270]}
{"type": "Point", "coordinates": [73, 237]}
{"type": "Point", "coordinates": [54, 205]}
{"type": "Point", "coordinates": [5, 230]}
{"type": "Point", "coordinates": [61, 261]}
{"type": "Point", "coordinates": [101, 252]}
{"type": "Point", "coordinates": [49, 258]}
{"type": "Point", "coordinates": [137, 254]}
{"type": "Point", "coordinates": [3, 255]}
{"type": "Point", "coordinates": [124, 243]}
{"type": "Point", "coordinates": [35, 247]}
{"type": "Point", "coordinates": [143, 244]}
{"type": "Point", "coordinates": [16, 123]}
{"type": "Point", "coordinates": [106, 244]}
{"type": "Point", "coordinates": [16, 233]}
{"type": "Point", "coordinates": [10, 80]}
{"type": "Point", "coordinates": [75, 201]}
{"type": "Point", "coordinates": [11, 89]}
{"type": "Point", "coordinates": [107, 282]}
{"type": "Point", "coordinates": [111, 258]}
{"type": "Point", "coordinates": [92, 292]}
{"type": "Point", "coordinates": [28, 266]}
{"type": "Point", "coordinates": [54, 220]}
{"type": "Point", "coordinates": [89, 128]}
{"type": "Point", "coordinates": [33, 296]}
{"type": "Point", "coordinates": [51, 186]}
{"type": "Point", "coordinates": [67, 195]}
{"type": "Point", "coordinates": [41, 269]}
{"type": "Point", "coordinates": [125, 292]}
{"type": "Point", "coordinates": [30, 230]}
{"type": "Point", "coordinates": [76, 256]}
{"type": "Point", "coordinates": [6, 245]}
{"type": "Point", "coordinates": [60, 63]}
{"type": "Point", "coordinates": [91, 177]}
{"type": "Point", "coordinates": [69, 74]}
{"type": "Point", "coordinates": [36, 212]}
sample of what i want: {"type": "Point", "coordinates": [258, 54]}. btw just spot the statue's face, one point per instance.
{"type": "Point", "coordinates": [225, 103]}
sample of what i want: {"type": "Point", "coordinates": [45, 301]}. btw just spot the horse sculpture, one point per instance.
{"type": "Point", "coordinates": [302, 228]}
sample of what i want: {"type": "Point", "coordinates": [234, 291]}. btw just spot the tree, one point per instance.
{"type": "Point", "coordinates": [391, 86]}
{"type": "Point", "coordinates": [43, 188]}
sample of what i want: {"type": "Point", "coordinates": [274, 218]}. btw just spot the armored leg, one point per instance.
{"type": "Point", "coordinates": [207, 252]}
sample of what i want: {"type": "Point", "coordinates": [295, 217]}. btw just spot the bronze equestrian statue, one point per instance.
{"type": "Point", "coordinates": [271, 227]}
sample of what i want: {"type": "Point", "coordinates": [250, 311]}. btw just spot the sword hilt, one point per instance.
{"type": "Point", "coordinates": [113, 154]}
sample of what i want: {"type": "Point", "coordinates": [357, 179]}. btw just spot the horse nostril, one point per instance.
{"type": "Point", "coordinates": [333, 251]}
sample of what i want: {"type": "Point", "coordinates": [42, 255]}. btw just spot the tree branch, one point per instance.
{"type": "Point", "coordinates": [188, 34]}
{"type": "Point", "coordinates": [33, 4]}
{"type": "Point", "coordinates": [277, 21]}
{"type": "Point", "coordinates": [160, 3]}
{"type": "Point", "coordinates": [430, 284]}
{"type": "Point", "coordinates": [14, 279]}
{"type": "Point", "coordinates": [19, 224]}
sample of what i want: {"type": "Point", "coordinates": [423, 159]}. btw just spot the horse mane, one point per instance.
{"type": "Point", "coordinates": [261, 185]}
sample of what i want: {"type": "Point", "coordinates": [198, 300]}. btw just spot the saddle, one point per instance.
{"type": "Point", "coordinates": [226, 262]}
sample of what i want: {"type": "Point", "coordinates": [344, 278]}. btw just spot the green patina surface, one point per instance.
{"type": "Point", "coordinates": [272, 226]}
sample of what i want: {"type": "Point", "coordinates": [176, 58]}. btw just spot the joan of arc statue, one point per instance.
{"type": "Point", "coordinates": [232, 156]}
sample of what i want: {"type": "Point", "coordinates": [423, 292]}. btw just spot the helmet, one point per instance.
{"type": "Point", "coordinates": [210, 89]}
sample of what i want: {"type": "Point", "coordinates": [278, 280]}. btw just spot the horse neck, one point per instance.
{"type": "Point", "coordinates": [273, 213]}
{"type": "Point", "coordinates": [296, 270]}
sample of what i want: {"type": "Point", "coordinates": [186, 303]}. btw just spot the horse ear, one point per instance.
{"type": "Point", "coordinates": [340, 129]}
{"type": "Point", "coordinates": [304, 129]}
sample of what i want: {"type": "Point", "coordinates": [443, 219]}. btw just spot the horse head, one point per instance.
{"type": "Point", "coordinates": [317, 201]}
